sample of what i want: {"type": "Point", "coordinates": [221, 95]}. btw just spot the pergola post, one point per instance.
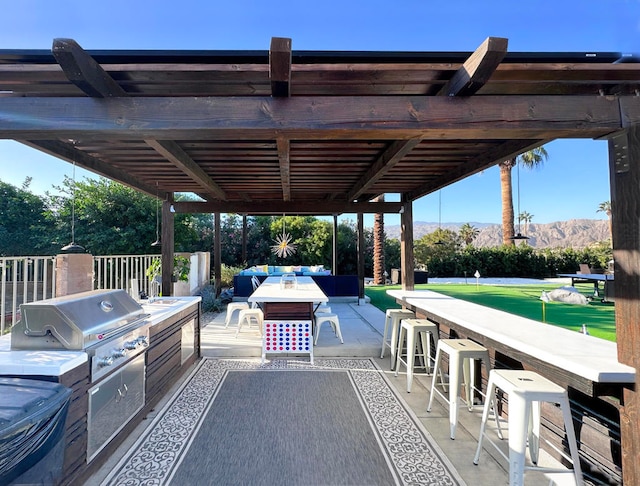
{"type": "Point", "coordinates": [168, 246]}
{"type": "Point", "coordinates": [244, 238]}
{"type": "Point", "coordinates": [217, 257]}
{"type": "Point", "coordinates": [360, 257]}
{"type": "Point", "coordinates": [624, 166]}
{"type": "Point", "coordinates": [334, 256]}
{"type": "Point", "coordinates": [406, 246]}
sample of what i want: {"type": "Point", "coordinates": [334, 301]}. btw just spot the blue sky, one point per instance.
{"type": "Point", "coordinates": [571, 184]}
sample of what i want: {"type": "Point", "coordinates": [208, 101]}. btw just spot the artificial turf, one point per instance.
{"type": "Point", "coordinates": [522, 300]}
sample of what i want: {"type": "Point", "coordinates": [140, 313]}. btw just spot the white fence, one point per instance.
{"type": "Point", "coordinates": [24, 279]}
{"type": "Point", "coordinates": [122, 272]}
{"type": "Point", "coordinates": [33, 278]}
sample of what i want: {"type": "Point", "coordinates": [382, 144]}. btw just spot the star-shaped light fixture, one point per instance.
{"type": "Point", "coordinates": [283, 247]}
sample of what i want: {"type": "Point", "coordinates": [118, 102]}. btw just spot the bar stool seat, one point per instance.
{"type": "Point", "coordinates": [411, 329]}
{"type": "Point", "coordinates": [322, 309]}
{"type": "Point", "coordinates": [321, 318]}
{"type": "Point", "coordinates": [231, 308]}
{"type": "Point", "coordinates": [461, 352]}
{"type": "Point", "coordinates": [526, 390]}
{"type": "Point", "coordinates": [249, 315]}
{"type": "Point", "coordinates": [392, 323]}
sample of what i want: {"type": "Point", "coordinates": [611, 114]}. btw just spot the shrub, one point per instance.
{"type": "Point", "coordinates": [209, 301]}
{"type": "Point", "coordinates": [226, 275]}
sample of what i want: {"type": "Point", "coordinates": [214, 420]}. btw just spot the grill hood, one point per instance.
{"type": "Point", "coordinates": [75, 321]}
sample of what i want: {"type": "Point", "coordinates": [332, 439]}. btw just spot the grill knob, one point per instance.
{"type": "Point", "coordinates": [131, 344]}
{"type": "Point", "coordinates": [142, 340]}
{"type": "Point", "coordinates": [118, 353]}
{"type": "Point", "coordinates": [105, 361]}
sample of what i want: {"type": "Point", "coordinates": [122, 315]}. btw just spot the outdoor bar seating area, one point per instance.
{"type": "Point", "coordinates": [530, 363]}
{"type": "Point", "coordinates": [265, 133]}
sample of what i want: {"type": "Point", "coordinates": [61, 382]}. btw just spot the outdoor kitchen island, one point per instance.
{"type": "Point", "coordinates": [105, 406]}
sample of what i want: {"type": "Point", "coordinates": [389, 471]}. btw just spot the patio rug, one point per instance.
{"type": "Point", "coordinates": [237, 422]}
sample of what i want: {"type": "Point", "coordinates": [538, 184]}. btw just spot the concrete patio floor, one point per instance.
{"type": "Point", "coordinates": [362, 326]}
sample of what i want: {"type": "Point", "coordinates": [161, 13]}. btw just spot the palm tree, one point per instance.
{"type": "Point", "coordinates": [379, 277]}
{"type": "Point", "coordinates": [468, 233]}
{"type": "Point", "coordinates": [526, 218]}
{"type": "Point", "coordinates": [532, 158]}
{"type": "Point", "coordinates": [605, 207]}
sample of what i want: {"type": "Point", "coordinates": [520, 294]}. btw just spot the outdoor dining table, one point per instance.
{"type": "Point", "coordinates": [288, 303]}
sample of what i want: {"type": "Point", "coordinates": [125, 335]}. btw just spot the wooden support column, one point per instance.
{"type": "Point", "coordinates": [406, 246]}
{"type": "Point", "coordinates": [244, 238]}
{"type": "Point", "coordinates": [360, 256]}
{"type": "Point", "coordinates": [334, 256]}
{"type": "Point", "coordinates": [217, 257]}
{"type": "Point", "coordinates": [168, 247]}
{"type": "Point", "coordinates": [624, 165]}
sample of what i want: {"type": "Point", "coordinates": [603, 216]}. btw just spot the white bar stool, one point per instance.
{"type": "Point", "coordinates": [526, 390]}
{"type": "Point", "coordinates": [330, 318]}
{"type": "Point", "coordinates": [461, 352]}
{"type": "Point", "coordinates": [392, 323]}
{"type": "Point", "coordinates": [248, 315]}
{"type": "Point", "coordinates": [411, 329]}
{"type": "Point", "coordinates": [322, 309]}
{"type": "Point", "coordinates": [231, 308]}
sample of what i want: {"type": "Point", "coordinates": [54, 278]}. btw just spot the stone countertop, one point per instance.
{"type": "Point", "coordinates": [586, 356]}
{"type": "Point", "coordinates": [58, 362]}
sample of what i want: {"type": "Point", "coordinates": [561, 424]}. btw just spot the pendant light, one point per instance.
{"type": "Point", "coordinates": [157, 242]}
{"type": "Point", "coordinates": [519, 235]}
{"type": "Point", "coordinates": [73, 247]}
{"type": "Point", "coordinates": [283, 244]}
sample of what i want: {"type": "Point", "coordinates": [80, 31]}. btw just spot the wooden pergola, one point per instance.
{"type": "Point", "coordinates": [324, 133]}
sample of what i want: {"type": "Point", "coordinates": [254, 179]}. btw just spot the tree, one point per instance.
{"type": "Point", "coordinates": [468, 233]}
{"type": "Point", "coordinates": [435, 247]}
{"type": "Point", "coordinates": [525, 217]}
{"type": "Point", "coordinates": [605, 207]}
{"type": "Point", "coordinates": [378, 246]}
{"type": "Point", "coordinates": [113, 219]}
{"type": "Point", "coordinates": [532, 158]}
{"type": "Point", "coordinates": [26, 224]}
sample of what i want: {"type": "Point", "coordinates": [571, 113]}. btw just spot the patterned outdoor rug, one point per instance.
{"type": "Point", "coordinates": [234, 422]}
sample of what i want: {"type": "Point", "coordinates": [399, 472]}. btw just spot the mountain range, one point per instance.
{"type": "Point", "coordinates": [574, 233]}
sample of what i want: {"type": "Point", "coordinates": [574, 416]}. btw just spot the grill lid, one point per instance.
{"type": "Point", "coordinates": [75, 321]}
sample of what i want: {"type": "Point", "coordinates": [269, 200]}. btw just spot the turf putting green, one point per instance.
{"type": "Point", "coordinates": [522, 300]}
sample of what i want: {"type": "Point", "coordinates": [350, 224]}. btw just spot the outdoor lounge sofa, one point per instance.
{"type": "Point", "coordinates": [331, 285]}
{"type": "Point", "coordinates": [277, 270]}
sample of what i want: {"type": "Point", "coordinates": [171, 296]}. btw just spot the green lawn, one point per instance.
{"type": "Point", "coordinates": [522, 300]}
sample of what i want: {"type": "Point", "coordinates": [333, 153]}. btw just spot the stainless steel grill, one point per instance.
{"type": "Point", "coordinates": [108, 324]}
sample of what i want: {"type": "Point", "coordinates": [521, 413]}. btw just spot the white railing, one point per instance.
{"type": "Point", "coordinates": [24, 279]}
{"type": "Point", "coordinates": [33, 278]}
{"type": "Point", "coordinates": [126, 272]}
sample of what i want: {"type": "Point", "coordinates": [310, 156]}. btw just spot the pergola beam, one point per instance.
{"type": "Point", "coordinates": [387, 160]}
{"type": "Point", "coordinates": [171, 151]}
{"type": "Point", "coordinates": [386, 117]}
{"type": "Point", "coordinates": [273, 208]}
{"type": "Point", "coordinates": [83, 71]}
{"type": "Point", "coordinates": [280, 67]}
{"type": "Point", "coordinates": [477, 70]}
